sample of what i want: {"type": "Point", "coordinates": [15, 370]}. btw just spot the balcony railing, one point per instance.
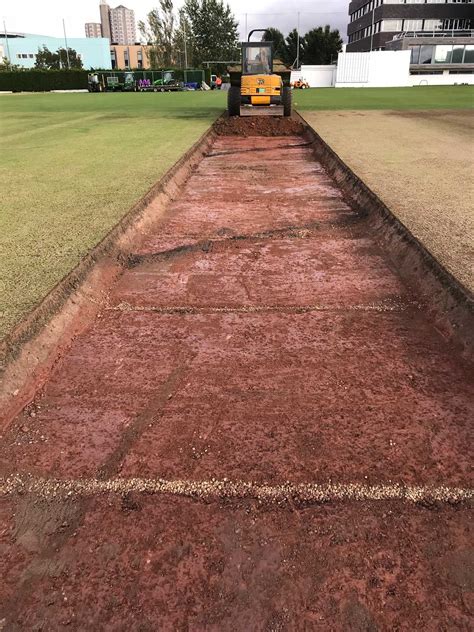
{"type": "Point", "coordinates": [450, 33]}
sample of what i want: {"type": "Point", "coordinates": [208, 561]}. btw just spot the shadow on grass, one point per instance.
{"type": "Point", "coordinates": [192, 114]}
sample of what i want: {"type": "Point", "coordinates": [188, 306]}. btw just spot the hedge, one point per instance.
{"type": "Point", "coordinates": [43, 80]}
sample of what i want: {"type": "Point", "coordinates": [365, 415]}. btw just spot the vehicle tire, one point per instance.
{"type": "Point", "coordinates": [286, 98]}
{"type": "Point", "coordinates": [233, 101]}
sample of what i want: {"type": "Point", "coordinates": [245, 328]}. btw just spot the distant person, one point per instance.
{"type": "Point", "coordinates": [219, 82]}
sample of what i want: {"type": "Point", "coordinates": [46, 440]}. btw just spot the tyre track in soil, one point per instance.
{"type": "Point", "coordinates": [258, 336]}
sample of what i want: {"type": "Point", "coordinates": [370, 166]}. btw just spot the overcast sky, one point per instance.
{"type": "Point", "coordinates": [45, 16]}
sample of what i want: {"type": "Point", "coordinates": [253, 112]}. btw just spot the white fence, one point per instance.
{"type": "Point", "coordinates": [373, 70]}
{"type": "Point", "coordinates": [316, 76]}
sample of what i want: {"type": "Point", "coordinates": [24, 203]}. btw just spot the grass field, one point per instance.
{"type": "Point", "coordinates": [73, 164]}
{"type": "Point", "coordinates": [418, 98]}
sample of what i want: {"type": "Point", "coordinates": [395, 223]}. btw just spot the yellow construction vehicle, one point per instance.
{"type": "Point", "coordinates": [260, 85]}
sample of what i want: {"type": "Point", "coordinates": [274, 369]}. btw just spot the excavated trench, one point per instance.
{"type": "Point", "coordinates": [263, 426]}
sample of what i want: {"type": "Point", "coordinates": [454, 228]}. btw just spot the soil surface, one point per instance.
{"type": "Point", "coordinates": [422, 169]}
{"type": "Point", "coordinates": [258, 126]}
{"type": "Point", "coordinates": [259, 334]}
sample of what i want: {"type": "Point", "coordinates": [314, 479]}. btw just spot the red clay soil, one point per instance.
{"type": "Point", "coordinates": [258, 334]}
{"type": "Point", "coordinates": [258, 126]}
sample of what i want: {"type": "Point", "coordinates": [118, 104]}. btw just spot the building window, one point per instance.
{"type": "Point", "coordinates": [432, 25]}
{"type": "Point", "coordinates": [469, 54]}
{"type": "Point", "coordinates": [426, 54]}
{"type": "Point", "coordinates": [458, 54]}
{"type": "Point", "coordinates": [443, 54]}
{"type": "Point", "coordinates": [392, 25]}
{"type": "Point", "coordinates": [415, 55]}
{"type": "Point", "coordinates": [412, 25]}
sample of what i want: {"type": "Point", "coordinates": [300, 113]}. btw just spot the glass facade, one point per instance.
{"type": "Point", "coordinates": [442, 54]}
{"type": "Point", "coordinates": [469, 54]}
{"type": "Point", "coordinates": [426, 54]}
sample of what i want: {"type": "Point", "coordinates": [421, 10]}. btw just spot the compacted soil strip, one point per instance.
{"type": "Point", "coordinates": [260, 355]}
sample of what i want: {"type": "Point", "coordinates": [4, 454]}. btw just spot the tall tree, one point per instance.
{"type": "Point", "coordinates": [183, 42]}
{"type": "Point", "coordinates": [291, 49]}
{"type": "Point", "coordinates": [46, 59]}
{"type": "Point", "coordinates": [74, 60]}
{"type": "Point", "coordinates": [278, 39]}
{"type": "Point", "coordinates": [214, 30]}
{"type": "Point", "coordinates": [321, 45]}
{"type": "Point", "coordinates": [159, 32]}
{"type": "Point", "coordinates": [7, 66]}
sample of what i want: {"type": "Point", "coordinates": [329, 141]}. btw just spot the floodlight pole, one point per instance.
{"type": "Point", "coordinates": [298, 43]}
{"type": "Point", "coordinates": [67, 49]}
{"type": "Point", "coordinates": [185, 53]}
{"type": "Point", "coordinates": [6, 42]}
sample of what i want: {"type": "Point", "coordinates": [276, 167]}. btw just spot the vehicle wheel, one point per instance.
{"type": "Point", "coordinates": [233, 101]}
{"type": "Point", "coordinates": [162, 90]}
{"type": "Point", "coordinates": [286, 98]}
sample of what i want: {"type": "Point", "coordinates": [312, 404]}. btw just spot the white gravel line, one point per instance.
{"type": "Point", "coordinates": [382, 306]}
{"type": "Point", "coordinates": [226, 489]}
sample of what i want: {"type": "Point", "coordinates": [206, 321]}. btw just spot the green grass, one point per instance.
{"type": "Point", "coordinates": [71, 165]}
{"type": "Point", "coordinates": [417, 98]}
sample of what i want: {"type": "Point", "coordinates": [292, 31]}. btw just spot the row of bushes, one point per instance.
{"type": "Point", "coordinates": [45, 80]}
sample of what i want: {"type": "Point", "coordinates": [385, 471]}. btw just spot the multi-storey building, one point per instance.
{"type": "Point", "coordinates": [93, 29]}
{"type": "Point", "coordinates": [105, 19]}
{"type": "Point", "coordinates": [122, 24]}
{"type": "Point", "coordinates": [374, 23]}
{"type": "Point", "coordinates": [118, 24]}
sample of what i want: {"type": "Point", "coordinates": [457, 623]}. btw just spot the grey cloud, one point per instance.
{"type": "Point", "coordinates": [282, 14]}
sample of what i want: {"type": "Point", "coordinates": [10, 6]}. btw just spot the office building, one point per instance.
{"type": "Point", "coordinates": [374, 23]}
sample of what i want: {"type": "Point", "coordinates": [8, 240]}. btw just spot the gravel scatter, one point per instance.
{"type": "Point", "coordinates": [226, 489]}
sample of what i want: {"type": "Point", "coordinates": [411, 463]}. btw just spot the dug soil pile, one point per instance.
{"type": "Point", "coordinates": [258, 126]}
